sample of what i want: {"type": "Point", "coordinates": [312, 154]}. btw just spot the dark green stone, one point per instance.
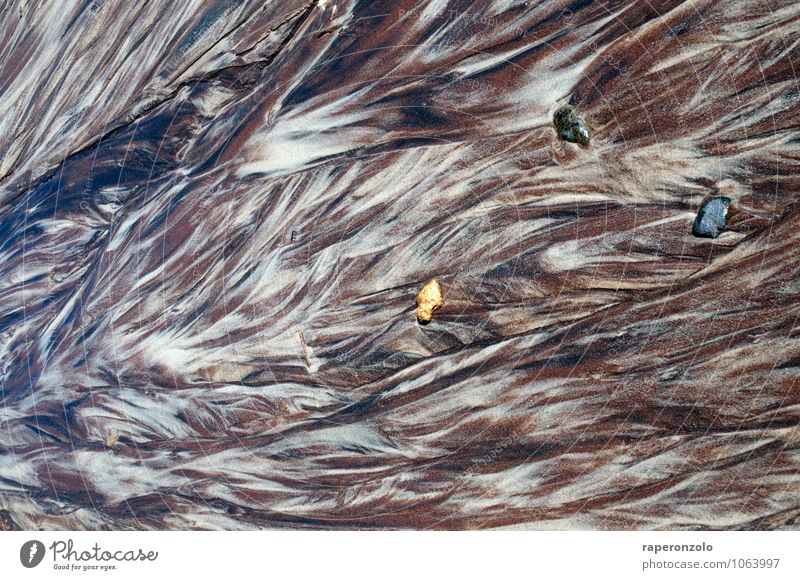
{"type": "Point", "coordinates": [570, 126]}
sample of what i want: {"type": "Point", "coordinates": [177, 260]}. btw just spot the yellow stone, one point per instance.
{"type": "Point", "coordinates": [429, 300]}
{"type": "Point", "coordinates": [113, 437]}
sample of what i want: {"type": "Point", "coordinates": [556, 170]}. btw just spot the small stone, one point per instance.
{"type": "Point", "coordinates": [669, 375]}
{"type": "Point", "coordinates": [112, 438]}
{"type": "Point", "coordinates": [711, 217]}
{"type": "Point", "coordinates": [571, 126]}
{"type": "Point", "coordinates": [429, 300]}
{"type": "Point", "coordinates": [7, 523]}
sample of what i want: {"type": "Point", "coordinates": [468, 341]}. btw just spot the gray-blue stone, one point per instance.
{"type": "Point", "coordinates": [711, 217]}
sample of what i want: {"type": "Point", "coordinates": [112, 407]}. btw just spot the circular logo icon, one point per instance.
{"type": "Point", "coordinates": [31, 553]}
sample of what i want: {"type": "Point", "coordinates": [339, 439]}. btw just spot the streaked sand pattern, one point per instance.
{"type": "Point", "coordinates": [215, 218]}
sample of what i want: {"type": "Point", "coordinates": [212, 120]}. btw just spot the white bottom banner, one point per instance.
{"type": "Point", "coordinates": [387, 555]}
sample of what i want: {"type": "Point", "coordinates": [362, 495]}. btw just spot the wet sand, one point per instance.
{"type": "Point", "coordinates": [215, 221]}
